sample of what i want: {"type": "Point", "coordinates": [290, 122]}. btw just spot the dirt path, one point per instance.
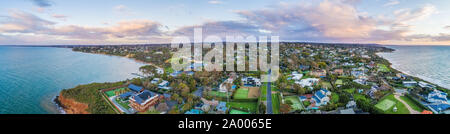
{"type": "Point", "coordinates": [411, 111]}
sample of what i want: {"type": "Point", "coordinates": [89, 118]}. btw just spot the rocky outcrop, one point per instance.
{"type": "Point", "coordinates": [71, 106]}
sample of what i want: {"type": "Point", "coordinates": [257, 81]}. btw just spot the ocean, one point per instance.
{"type": "Point", "coordinates": [430, 63]}
{"type": "Point", "coordinates": [30, 77]}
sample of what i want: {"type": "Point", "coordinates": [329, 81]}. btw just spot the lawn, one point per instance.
{"type": "Point", "coordinates": [326, 85]}
{"type": "Point", "coordinates": [276, 103]}
{"type": "Point", "coordinates": [296, 104]}
{"type": "Point", "coordinates": [334, 98]}
{"type": "Point", "coordinates": [401, 109]}
{"type": "Point", "coordinates": [411, 103]}
{"type": "Point", "coordinates": [234, 111]}
{"type": "Point", "coordinates": [339, 82]}
{"type": "Point", "coordinates": [218, 94]}
{"type": "Point", "coordinates": [241, 93]}
{"type": "Point", "coordinates": [385, 104]}
{"type": "Point", "coordinates": [115, 92]}
{"type": "Point", "coordinates": [123, 104]}
{"type": "Point", "coordinates": [350, 91]}
{"type": "Point", "coordinates": [383, 68]}
{"type": "Point", "coordinates": [244, 106]}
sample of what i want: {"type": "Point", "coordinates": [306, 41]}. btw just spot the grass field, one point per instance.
{"type": "Point", "coordinates": [241, 93]}
{"type": "Point", "coordinates": [326, 85]}
{"type": "Point", "coordinates": [113, 92]}
{"type": "Point", "coordinates": [296, 104]}
{"type": "Point", "coordinates": [276, 103]}
{"type": "Point", "coordinates": [244, 106]}
{"type": "Point", "coordinates": [218, 94]}
{"type": "Point", "coordinates": [385, 104]}
{"type": "Point", "coordinates": [411, 103]}
{"type": "Point", "coordinates": [234, 111]}
{"type": "Point", "coordinates": [339, 82]}
{"type": "Point", "coordinates": [383, 68]}
{"type": "Point", "coordinates": [123, 104]}
{"type": "Point", "coordinates": [401, 109]}
{"type": "Point", "coordinates": [350, 91]}
{"type": "Point", "coordinates": [334, 98]}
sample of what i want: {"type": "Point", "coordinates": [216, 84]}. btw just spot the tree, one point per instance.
{"type": "Point", "coordinates": [300, 90]}
{"type": "Point", "coordinates": [285, 108]}
{"type": "Point", "coordinates": [162, 107]}
{"type": "Point", "coordinates": [262, 108]}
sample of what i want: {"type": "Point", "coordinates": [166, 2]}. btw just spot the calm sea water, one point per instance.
{"type": "Point", "coordinates": [31, 76]}
{"type": "Point", "coordinates": [431, 63]}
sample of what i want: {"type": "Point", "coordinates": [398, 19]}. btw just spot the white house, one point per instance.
{"type": "Point", "coordinates": [307, 82]}
{"type": "Point", "coordinates": [251, 81]}
{"type": "Point", "coordinates": [296, 76]}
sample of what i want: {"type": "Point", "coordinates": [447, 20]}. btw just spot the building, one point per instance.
{"type": "Point", "coordinates": [222, 108]}
{"type": "Point", "coordinates": [426, 85]}
{"type": "Point", "coordinates": [338, 72]}
{"type": "Point", "coordinates": [309, 82]}
{"type": "Point", "coordinates": [296, 76]}
{"type": "Point", "coordinates": [251, 81]}
{"type": "Point", "coordinates": [437, 97]}
{"type": "Point", "coordinates": [321, 97]}
{"type": "Point", "coordinates": [319, 73]}
{"type": "Point", "coordinates": [155, 80]}
{"type": "Point", "coordinates": [142, 101]}
{"type": "Point", "coordinates": [409, 83]}
{"type": "Point", "coordinates": [135, 88]}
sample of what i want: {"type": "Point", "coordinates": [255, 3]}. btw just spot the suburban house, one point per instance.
{"type": "Point", "coordinates": [135, 88]}
{"type": "Point", "coordinates": [426, 85]}
{"type": "Point", "coordinates": [251, 81]}
{"type": "Point", "coordinates": [222, 108]}
{"type": "Point", "coordinates": [321, 97]}
{"type": "Point", "coordinates": [319, 73]}
{"type": "Point", "coordinates": [362, 81]}
{"type": "Point", "coordinates": [296, 76]}
{"type": "Point", "coordinates": [437, 97]}
{"type": "Point", "coordinates": [338, 72]}
{"type": "Point", "coordinates": [309, 82]}
{"type": "Point", "coordinates": [409, 83]}
{"type": "Point", "coordinates": [142, 101]}
{"type": "Point", "coordinates": [304, 67]}
{"type": "Point", "coordinates": [155, 80]}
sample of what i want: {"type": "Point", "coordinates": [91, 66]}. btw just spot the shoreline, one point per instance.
{"type": "Point", "coordinates": [420, 77]}
{"type": "Point", "coordinates": [59, 105]}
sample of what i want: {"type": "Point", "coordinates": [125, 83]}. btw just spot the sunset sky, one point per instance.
{"type": "Point", "coordinates": [64, 22]}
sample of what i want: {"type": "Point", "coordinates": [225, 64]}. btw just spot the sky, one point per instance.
{"type": "Point", "coordinates": [97, 22]}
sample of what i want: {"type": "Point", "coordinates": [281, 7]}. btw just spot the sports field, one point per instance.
{"type": "Point", "coordinates": [244, 106]}
{"type": "Point", "coordinates": [115, 92]}
{"type": "Point", "coordinates": [385, 104]}
{"type": "Point", "coordinates": [296, 104]}
{"type": "Point", "coordinates": [241, 93]}
{"type": "Point", "coordinates": [218, 94]}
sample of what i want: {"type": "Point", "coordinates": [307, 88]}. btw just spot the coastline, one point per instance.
{"type": "Point", "coordinates": [421, 78]}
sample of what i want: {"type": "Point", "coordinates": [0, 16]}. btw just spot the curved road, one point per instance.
{"type": "Point", "coordinates": [411, 111]}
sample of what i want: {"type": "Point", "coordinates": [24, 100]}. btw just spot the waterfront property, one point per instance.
{"type": "Point", "coordinates": [142, 101]}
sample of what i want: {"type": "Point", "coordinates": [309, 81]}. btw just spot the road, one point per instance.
{"type": "Point", "coordinates": [269, 95]}
{"type": "Point", "coordinates": [411, 111]}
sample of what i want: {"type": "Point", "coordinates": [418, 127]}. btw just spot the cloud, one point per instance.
{"type": "Point", "coordinates": [42, 3]}
{"type": "Point", "coordinates": [329, 19]}
{"type": "Point", "coordinates": [23, 22]}
{"type": "Point", "coordinates": [60, 16]}
{"type": "Point", "coordinates": [447, 27]}
{"type": "Point", "coordinates": [391, 3]}
{"type": "Point", "coordinates": [215, 2]}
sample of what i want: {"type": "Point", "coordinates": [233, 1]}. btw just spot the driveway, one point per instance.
{"type": "Point", "coordinates": [411, 111]}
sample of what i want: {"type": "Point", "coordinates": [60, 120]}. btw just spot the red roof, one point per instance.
{"type": "Point", "coordinates": [426, 112]}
